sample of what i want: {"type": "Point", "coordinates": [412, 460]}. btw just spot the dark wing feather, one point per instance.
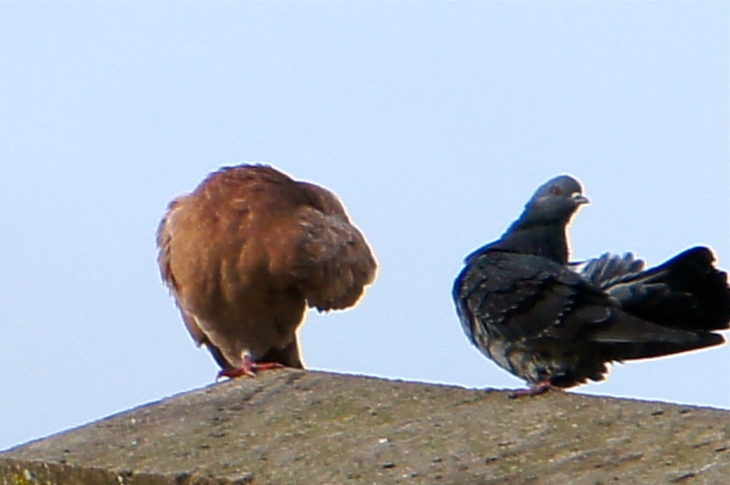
{"type": "Point", "coordinates": [522, 297]}
{"type": "Point", "coordinates": [687, 292]}
{"type": "Point", "coordinates": [608, 269]}
{"type": "Point", "coordinates": [519, 297]}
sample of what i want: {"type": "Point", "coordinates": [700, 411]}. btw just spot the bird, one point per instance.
{"type": "Point", "coordinates": [247, 252]}
{"type": "Point", "coordinates": [558, 324]}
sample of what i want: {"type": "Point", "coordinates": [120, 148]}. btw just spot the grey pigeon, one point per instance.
{"type": "Point", "coordinates": [557, 324]}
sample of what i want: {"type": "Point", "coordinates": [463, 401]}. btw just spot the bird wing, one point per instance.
{"type": "Point", "coordinates": [517, 296]}
{"type": "Point", "coordinates": [332, 261]}
{"type": "Point", "coordinates": [164, 239]}
{"type": "Point", "coordinates": [686, 292]}
{"type": "Point", "coordinates": [524, 297]}
{"type": "Point", "coordinates": [608, 269]}
{"type": "Point", "coordinates": [165, 233]}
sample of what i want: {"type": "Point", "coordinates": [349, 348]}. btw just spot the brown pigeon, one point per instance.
{"type": "Point", "coordinates": [247, 251]}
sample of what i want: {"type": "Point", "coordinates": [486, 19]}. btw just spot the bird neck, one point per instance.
{"type": "Point", "coordinates": [548, 241]}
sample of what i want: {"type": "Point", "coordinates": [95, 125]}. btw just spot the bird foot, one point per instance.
{"type": "Point", "coordinates": [249, 369]}
{"type": "Point", "coordinates": [533, 390]}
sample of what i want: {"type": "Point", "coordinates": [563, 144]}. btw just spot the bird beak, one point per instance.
{"type": "Point", "coordinates": [580, 199]}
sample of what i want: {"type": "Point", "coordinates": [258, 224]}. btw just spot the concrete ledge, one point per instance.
{"type": "Point", "coordinates": [296, 427]}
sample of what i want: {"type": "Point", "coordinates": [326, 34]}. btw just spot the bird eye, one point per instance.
{"type": "Point", "coordinates": [556, 191]}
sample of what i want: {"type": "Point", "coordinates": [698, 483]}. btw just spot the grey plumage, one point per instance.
{"type": "Point", "coordinates": [558, 324]}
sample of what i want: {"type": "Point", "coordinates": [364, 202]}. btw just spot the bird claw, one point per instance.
{"type": "Point", "coordinates": [533, 390]}
{"type": "Point", "coordinates": [250, 369]}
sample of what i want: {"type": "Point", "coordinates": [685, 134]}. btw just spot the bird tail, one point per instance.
{"type": "Point", "coordinates": [685, 293]}
{"type": "Point", "coordinates": [645, 350]}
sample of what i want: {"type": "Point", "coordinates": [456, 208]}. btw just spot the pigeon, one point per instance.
{"type": "Point", "coordinates": [558, 324]}
{"type": "Point", "coordinates": [247, 252]}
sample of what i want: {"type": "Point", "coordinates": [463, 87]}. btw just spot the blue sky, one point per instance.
{"type": "Point", "coordinates": [433, 122]}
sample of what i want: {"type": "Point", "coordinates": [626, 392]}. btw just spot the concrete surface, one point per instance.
{"type": "Point", "coordinates": [297, 427]}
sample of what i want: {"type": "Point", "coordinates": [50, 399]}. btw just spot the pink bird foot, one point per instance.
{"type": "Point", "coordinates": [248, 368]}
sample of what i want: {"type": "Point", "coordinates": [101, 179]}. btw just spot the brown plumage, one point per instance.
{"type": "Point", "coordinates": [247, 251]}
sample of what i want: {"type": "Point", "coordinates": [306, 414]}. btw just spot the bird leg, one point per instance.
{"type": "Point", "coordinates": [248, 368]}
{"type": "Point", "coordinates": [534, 390]}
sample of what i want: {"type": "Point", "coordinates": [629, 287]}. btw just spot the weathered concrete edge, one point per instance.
{"type": "Point", "coordinates": [18, 472]}
{"type": "Point", "coordinates": [27, 471]}
{"type": "Point", "coordinates": [504, 391]}
{"type": "Point", "coordinates": [22, 472]}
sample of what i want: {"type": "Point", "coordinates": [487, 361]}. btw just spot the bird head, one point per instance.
{"type": "Point", "coordinates": [555, 201]}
